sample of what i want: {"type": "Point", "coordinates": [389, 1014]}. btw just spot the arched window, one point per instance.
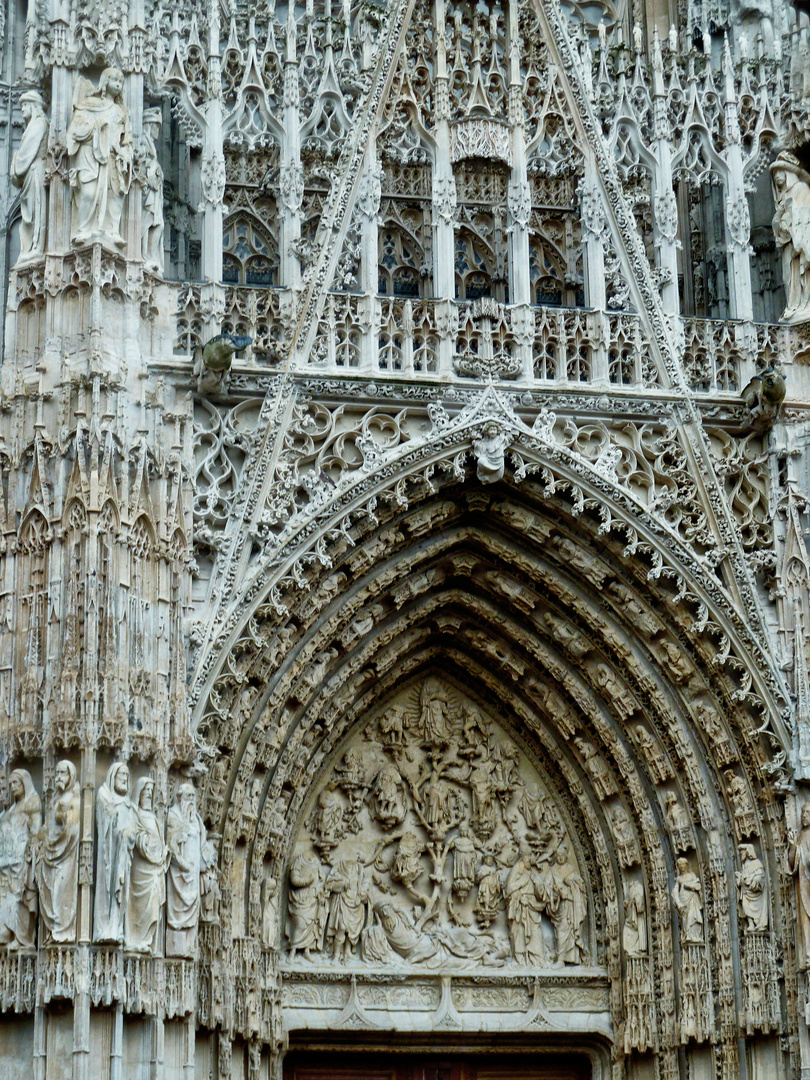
{"type": "Point", "coordinates": [249, 253]}
{"type": "Point", "coordinates": [400, 259]}
{"type": "Point", "coordinates": [474, 266]}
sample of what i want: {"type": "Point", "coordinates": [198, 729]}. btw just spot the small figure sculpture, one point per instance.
{"type": "Point", "coordinates": [764, 395]}
{"type": "Point", "coordinates": [191, 856]}
{"type": "Point", "coordinates": [327, 821]}
{"type": "Point", "coordinates": [406, 867]}
{"type": "Point", "coordinates": [58, 860]}
{"type": "Point", "coordinates": [28, 174]}
{"type": "Point", "coordinates": [269, 913]}
{"type": "Point", "coordinates": [634, 933]}
{"type": "Point", "coordinates": [147, 878]}
{"type": "Point", "coordinates": [152, 223]}
{"type": "Point", "coordinates": [388, 797]}
{"type": "Point", "coordinates": [115, 822]}
{"type": "Point", "coordinates": [798, 864]}
{"type": "Point", "coordinates": [488, 899]}
{"type": "Point", "coordinates": [20, 823]}
{"type": "Point", "coordinates": [791, 228]}
{"type": "Point", "coordinates": [465, 858]}
{"type": "Point", "coordinates": [753, 890]}
{"type": "Point", "coordinates": [676, 815]}
{"type": "Point", "coordinates": [490, 454]}
{"type": "Point", "coordinates": [307, 907]}
{"type": "Point", "coordinates": [597, 769]}
{"type": "Point", "coordinates": [687, 898]}
{"type": "Point", "coordinates": [99, 146]}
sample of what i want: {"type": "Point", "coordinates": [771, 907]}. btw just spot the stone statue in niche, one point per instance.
{"type": "Point", "coordinates": [147, 877]}
{"type": "Point", "coordinates": [634, 931]}
{"type": "Point", "coordinates": [676, 815]}
{"type": "Point", "coordinates": [798, 864]}
{"type": "Point", "coordinates": [431, 841]}
{"type": "Point", "coordinates": [58, 857]}
{"type": "Point", "coordinates": [20, 824]}
{"type": "Point", "coordinates": [624, 837]}
{"type": "Point", "coordinates": [791, 228]}
{"type": "Point", "coordinates": [28, 174]}
{"type": "Point", "coordinates": [152, 223]}
{"type": "Point", "coordinates": [99, 146]}
{"type": "Point", "coordinates": [269, 899]}
{"type": "Point", "coordinates": [741, 803]}
{"type": "Point", "coordinates": [753, 890]}
{"type": "Point", "coordinates": [687, 897]}
{"type": "Point", "coordinates": [191, 857]}
{"type": "Point", "coordinates": [652, 754]}
{"type": "Point", "coordinates": [595, 766]}
{"type": "Point", "coordinates": [115, 838]}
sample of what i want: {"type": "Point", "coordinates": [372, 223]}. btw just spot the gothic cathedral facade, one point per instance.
{"type": "Point", "coordinates": [404, 502]}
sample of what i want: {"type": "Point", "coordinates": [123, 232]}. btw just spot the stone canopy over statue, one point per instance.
{"type": "Point", "coordinates": [99, 146]}
{"type": "Point", "coordinates": [434, 842]}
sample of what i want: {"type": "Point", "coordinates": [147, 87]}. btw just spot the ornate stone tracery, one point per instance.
{"type": "Point", "coordinates": [438, 668]}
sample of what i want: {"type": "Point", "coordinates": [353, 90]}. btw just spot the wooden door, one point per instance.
{"type": "Point", "coordinates": [300, 1065]}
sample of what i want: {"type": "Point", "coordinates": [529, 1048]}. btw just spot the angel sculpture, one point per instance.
{"type": "Point", "coordinates": [99, 146]}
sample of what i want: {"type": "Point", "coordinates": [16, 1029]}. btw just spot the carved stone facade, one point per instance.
{"type": "Point", "coordinates": [405, 593]}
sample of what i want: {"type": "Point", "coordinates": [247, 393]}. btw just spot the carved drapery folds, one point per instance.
{"type": "Point", "coordinates": [434, 842]}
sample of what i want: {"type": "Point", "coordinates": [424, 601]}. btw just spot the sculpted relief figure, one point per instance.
{"type": "Point", "coordinates": [347, 890]}
{"type": "Point", "coordinates": [634, 932]}
{"type": "Point", "coordinates": [567, 906]}
{"type": "Point", "coordinates": [388, 797]}
{"type": "Point", "coordinates": [191, 858]}
{"type": "Point", "coordinates": [28, 174]}
{"type": "Point", "coordinates": [434, 839]}
{"type": "Point", "coordinates": [523, 908]}
{"type": "Point", "coordinates": [58, 857]}
{"type": "Point", "coordinates": [147, 876]}
{"type": "Point", "coordinates": [152, 221]}
{"type": "Point", "coordinates": [753, 890]}
{"type": "Point", "coordinates": [20, 823]}
{"type": "Point", "coordinates": [307, 907]}
{"type": "Point", "coordinates": [115, 825]}
{"type": "Point", "coordinates": [791, 228]}
{"type": "Point", "coordinates": [688, 900]}
{"type": "Point", "coordinates": [99, 146]}
{"type": "Point", "coordinates": [798, 864]}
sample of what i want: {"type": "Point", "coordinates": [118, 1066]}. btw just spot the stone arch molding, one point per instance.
{"type": "Point", "coordinates": [576, 619]}
{"type": "Point", "coordinates": [297, 538]}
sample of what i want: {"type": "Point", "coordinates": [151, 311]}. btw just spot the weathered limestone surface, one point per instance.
{"type": "Point", "coordinates": [404, 588]}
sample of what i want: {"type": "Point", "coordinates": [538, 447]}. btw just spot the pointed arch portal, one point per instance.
{"type": "Point", "coordinates": [504, 748]}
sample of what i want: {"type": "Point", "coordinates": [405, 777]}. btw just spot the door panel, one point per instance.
{"type": "Point", "coordinates": [397, 1066]}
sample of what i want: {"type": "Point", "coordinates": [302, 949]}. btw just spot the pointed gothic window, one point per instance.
{"type": "Point", "coordinates": [250, 256]}
{"type": "Point", "coordinates": [400, 262]}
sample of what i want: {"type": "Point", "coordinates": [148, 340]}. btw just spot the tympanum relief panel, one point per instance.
{"type": "Point", "coordinates": [432, 841]}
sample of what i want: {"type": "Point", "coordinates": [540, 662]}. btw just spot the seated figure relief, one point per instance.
{"type": "Point", "coordinates": [433, 841]}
